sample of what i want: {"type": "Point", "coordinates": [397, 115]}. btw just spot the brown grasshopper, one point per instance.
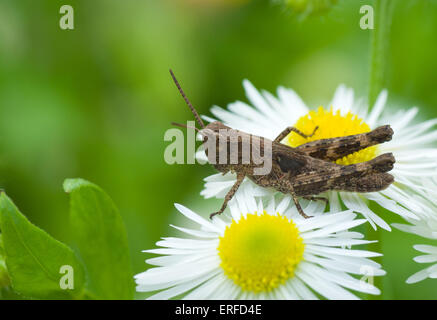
{"type": "Point", "coordinates": [304, 171]}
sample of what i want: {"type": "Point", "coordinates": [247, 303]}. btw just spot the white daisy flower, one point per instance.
{"type": "Point", "coordinates": [269, 116]}
{"type": "Point", "coordinates": [426, 227]}
{"type": "Point", "coordinates": [262, 253]}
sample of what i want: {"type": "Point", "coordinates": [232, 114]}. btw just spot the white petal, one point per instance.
{"type": "Point", "coordinates": [293, 103]}
{"type": "Point", "coordinates": [390, 205]}
{"type": "Point", "coordinates": [354, 202]}
{"type": "Point", "coordinates": [325, 287]}
{"type": "Point", "coordinates": [331, 242]}
{"type": "Point", "coordinates": [180, 243]}
{"type": "Point", "coordinates": [342, 279]}
{"type": "Point", "coordinates": [343, 99]}
{"type": "Point", "coordinates": [334, 202]}
{"type": "Point", "coordinates": [326, 251]}
{"type": "Point", "coordinates": [301, 289]}
{"type": "Point", "coordinates": [346, 266]}
{"type": "Point", "coordinates": [195, 233]}
{"type": "Point", "coordinates": [419, 276]}
{"type": "Point", "coordinates": [283, 205]}
{"type": "Point", "coordinates": [426, 248]}
{"type": "Point", "coordinates": [206, 289]}
{"type": "Point", "coordinates": [377, 109]}
{"type": "Point", "coordinates": [163, 261]}
{"type": "Point", "coordinates": [196, 218]}
{"type": "Point", "coordinates": [177, 272]}
{"type": "Point", "coordinates": [334, 228]}
{"type": "Point", "coordinates": [182, 288]}
{"type": "Point", "coordinates": [325, 220]}
{"type": "Point", "coordinates": [426, 258]}
{"type": "Point", "coordinates": [405, 120]}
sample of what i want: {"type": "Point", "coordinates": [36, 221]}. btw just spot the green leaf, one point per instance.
{"type": "Point", "coordinates": [100, 238]}
{"type": "Point", "coordinates": [34, 259]}
{"type": "Point", "coordinates": [4, 277]}
{"type": "Point", "coordinates": [2, 251]}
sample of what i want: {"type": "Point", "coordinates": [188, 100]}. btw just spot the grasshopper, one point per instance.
{"type": "Point", "coordinates": [304, 171]}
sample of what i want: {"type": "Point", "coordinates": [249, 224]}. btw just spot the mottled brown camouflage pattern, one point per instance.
{"type": "Point", "coordinates": [307, 170]}
{"type": "Point", "coordinates": [304, 171]}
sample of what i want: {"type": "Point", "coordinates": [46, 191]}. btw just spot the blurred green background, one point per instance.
{"type": "Point", "coordinates": [94, 102]}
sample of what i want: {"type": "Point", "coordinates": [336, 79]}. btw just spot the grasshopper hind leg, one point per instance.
{"type": "Point", "coordinates": [371, 182]}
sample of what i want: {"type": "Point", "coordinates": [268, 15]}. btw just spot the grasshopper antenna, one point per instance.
{"type": "Point", "coordinates": [184, 126]}
{"type": "Point", "coordinates": [196, 115]}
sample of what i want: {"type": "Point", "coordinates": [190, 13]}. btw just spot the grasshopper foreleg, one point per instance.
{"type": "Point", "coordinates": [229, 195]}
{"type": "Point", "coordinates": [287, 130]}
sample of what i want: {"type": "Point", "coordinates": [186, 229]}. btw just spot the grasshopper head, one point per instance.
{"type": "Point", "coordinates": [216, 126]}
{"type": "Point", "coordinates": [213, 134]}
{"type": "Point", "coordinates": [213, 130]}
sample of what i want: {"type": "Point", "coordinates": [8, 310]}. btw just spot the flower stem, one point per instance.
{"type": "Point", "coordinates": [380, 43]}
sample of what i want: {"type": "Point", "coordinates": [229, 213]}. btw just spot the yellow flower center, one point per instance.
{"type": "Point", "coordinates": [260, 252]}
{"type": "Point", "coordinates": [332, 125]}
